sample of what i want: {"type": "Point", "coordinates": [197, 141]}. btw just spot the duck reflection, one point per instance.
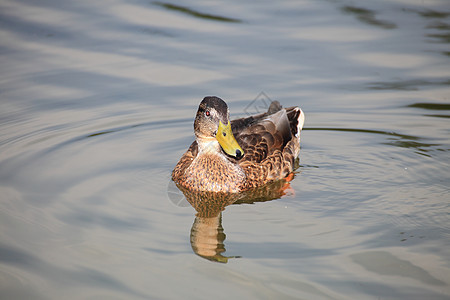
{"type": "Point", "coordinates": [207, 234]}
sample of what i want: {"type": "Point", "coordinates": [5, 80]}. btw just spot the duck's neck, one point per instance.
{"type": "Point", "coordinates": [208, 146]}
{"type": "Point", "coordinates": [211, 170]}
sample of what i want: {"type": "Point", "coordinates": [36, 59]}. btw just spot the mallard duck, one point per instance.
{"type": "Point", "coordinates": [245, 153]}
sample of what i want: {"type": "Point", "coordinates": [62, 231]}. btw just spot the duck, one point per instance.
{"type": "Point", "coordinates": [242, 154]}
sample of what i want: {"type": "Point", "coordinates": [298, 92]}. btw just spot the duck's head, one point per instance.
{"type": "Point", "coordinates": [212, 124]}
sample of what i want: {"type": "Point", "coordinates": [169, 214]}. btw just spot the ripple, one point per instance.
{"type": "Point", "coordinates": [430, 106]}
{"type": "Point", "coordinates": [407, 85]}
{"type": "Point", "coordinates": [384, 263]}
{"type": "Point", "coordinates": [391, 133]}
{"type": "Point", "coordinates": [196, 14]}
{"type": "Point", "coordinates": [46, 133]}
{"type": "Point", "coordinates": [367, 16]}
{"type": "Point", "coordinates": [433, 14]}
{"type": "Point", "coordinates": [395, 178]}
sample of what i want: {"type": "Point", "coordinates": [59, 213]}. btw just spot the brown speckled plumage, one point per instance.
{"type": "Point", "coordinates": [270, 141]}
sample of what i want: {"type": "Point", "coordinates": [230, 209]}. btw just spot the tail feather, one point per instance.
{"type": "Point", "coordinates": [274, 107]}
{"type": "Point", "coordinates": [296, 119]}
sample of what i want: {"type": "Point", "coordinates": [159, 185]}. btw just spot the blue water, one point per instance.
{"type": "Point", "coordinates": [97, 101]}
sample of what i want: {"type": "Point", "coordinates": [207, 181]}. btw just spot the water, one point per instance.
{"type": "Point", "coordinates": [97, 105]}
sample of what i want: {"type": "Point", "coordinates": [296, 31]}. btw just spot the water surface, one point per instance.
{"type": "Point", "coordinates": [97, 105]}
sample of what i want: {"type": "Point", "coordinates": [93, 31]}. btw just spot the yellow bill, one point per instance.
{"type": "Point", "coordinates": [227, 141]}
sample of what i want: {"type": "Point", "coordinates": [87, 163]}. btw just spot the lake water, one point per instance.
{"type": "Point", "coordinates": [97, 101]}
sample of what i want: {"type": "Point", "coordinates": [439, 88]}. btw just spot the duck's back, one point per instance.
{"type": "Point", "coordinates": [271, 143]}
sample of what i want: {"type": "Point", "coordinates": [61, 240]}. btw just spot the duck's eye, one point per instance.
{"type": "Point", "coordinates": [207, 113]}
